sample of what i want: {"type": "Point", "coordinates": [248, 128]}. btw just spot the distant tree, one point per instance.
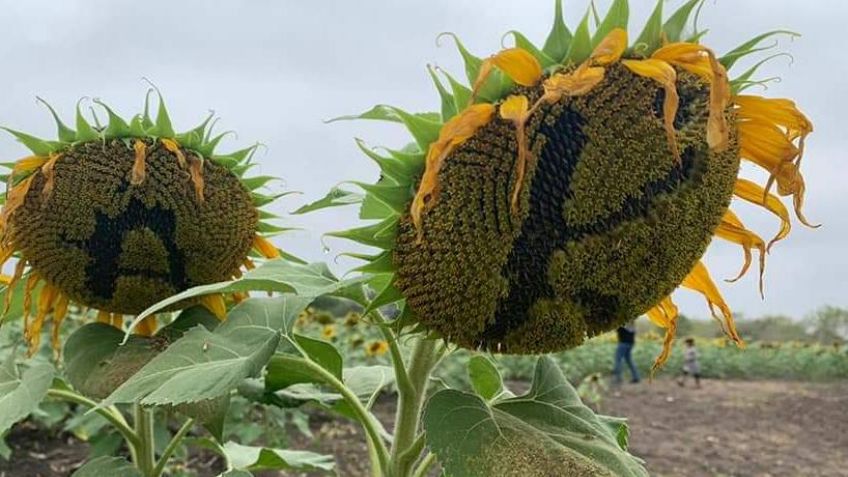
{"type": "Point", "coordinates": [828, 324]}
{"type": "Point", "coordinates": [773, 328]}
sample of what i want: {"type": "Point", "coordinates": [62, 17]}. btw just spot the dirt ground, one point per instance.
{"type": "Point", "coordinates": [726, 428]}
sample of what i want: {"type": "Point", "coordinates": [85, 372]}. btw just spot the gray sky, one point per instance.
{"type": "Point", "coordinates": [273, 70]}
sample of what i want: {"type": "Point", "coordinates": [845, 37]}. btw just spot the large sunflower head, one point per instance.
{"type": "Point", "coordinates": [572, 187]}
{"type": "Point", "coordinates": [119, 215]}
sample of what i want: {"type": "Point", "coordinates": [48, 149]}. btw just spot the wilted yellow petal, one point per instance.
{"type": "Point", "coordinates": [663, 73]}
{"type": "Point", "coordinates": [19, 273]}
{"type": "Point", "coordinates": [29, 164]}
{"type": "Point", "coordinates": [265, 247]}
{"type": "Point", "coordinates": [215, 304]}
{"type": "Point", "coordinates": [700, 281]}
{"type": "Point", "coordinates": [453, 133]}
{"type": "Point", "coordinates": [689, 56]}
{"type": "Point", "coordinates": [32, 333]}
{"type": "Point", "coordinates": [147, 326]}
{"type": "Point", "coordinates": [104, 317]}
{"type": "Point", "coordinates": [779, 111]}
{"type": "Point", "coordinates": [751, 192]}
{"type": "Point", "coordinates": [665, 316]}
{"type": "Point", "coordinates": [15, 198]}
{"type": "Point", "coordinates": [577, 83]}
{"type": "Point", "coordinates": [32, 282]}
{"type": "Point", "coordinates": [521, 66]}
{"type": "Point", "coordinates": [172, 146]}
{"type": "Point", "coordinates": [196, 172]}
{"type": "Point", "coordinates": [516, 109]}
{"type": "Point", "coordinates": [60, 312]}
{"type": "Point", "coordinates": [610, 49]}
{"type": "Point", "coordinates": [139, 172]}
{"type": "Point", "coordinates": [765, 144]}
{"type": "Point", "coordinates": [48, 170]}
{"type": "Point", "coordinates": [732, 229]}
{"type": "Point", "coordinates": [118, 321]}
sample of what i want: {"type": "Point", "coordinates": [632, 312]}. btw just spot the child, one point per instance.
{"type": "Point", "coordinates": [690, 364]}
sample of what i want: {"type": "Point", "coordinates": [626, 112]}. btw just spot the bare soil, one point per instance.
{"type": "Point", "coordinates": [726, 428]}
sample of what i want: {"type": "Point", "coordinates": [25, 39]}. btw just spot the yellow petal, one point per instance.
{"type": "Point", "coordinates": [15, 198]}
{"type": "Point", "coordinates": [48, 170]}
{"type": "Point", "coordinates": [779, 111]}
{"type": "Point", "coordinates": [29, 164]}
{"type": "Point", "coordinates": [265, 247]}
{"type": "Point", "coordinates": [700, 281]}
{"type": "Point", "coordinates": [753, 193]}
{"type": "Point", "coordinates": [453, 133]}
{"type": "Point", "coordinates": [765, 144]}
{"type": "Point", "coordinates": [118, 321]}
{"type": "Point", "coordinates": [665, 316]}
{"type": "Point", "coordinates": [196, 172]}
{"type": "Point", "coordinates": [46, 299]}
{"type": "Point", "coordinates": [610, 49]}
{"type": "Point", "coordinates": [5, 279]}
{"type": "Point", "coordinates": [215, 304]}
{"type": "Point", "coordinates": [32, 282]}
{"type": "Point", "coordinates": [521, 66]}
{"type": "Point", "coordinates": [732, 230]}
{"type": "Point", "coordinates": [663, 73]}
{"type": "Point", "coordinates": [689, 56]}
{"type": "Point", "coordinates": [60, 312]}
{"type": "Point", "coordinates": [104, 317]}
{"type": "Point", "coordinates": [515, 108]}
{"type": "Point", "coordinates": [147, 326]}
{"type": "Point", "coordinates": [172, 146]}
{"type": "Point", "coordinates": [139, 172]}
{"type": "Point", "coordinates": [577, 83]}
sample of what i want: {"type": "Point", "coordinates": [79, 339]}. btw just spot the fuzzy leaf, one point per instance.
{"type": "Point", "coordinates": [558, 42]}
{"type": "Point", "coordinates": [540, 433]}
{"type": "Point", "coordinates": [39, 147]}
{"type": "Point", "coordinates": [380, 263]}
{"type": "Point", "coordinates": [675, 24]}
{"type": "Point", "coordinates": [20, 396]}
{"type": "Point", "coordinates": [265, 458]}
{"type": "Point", "coordinates": [335, 198]}
{"type": "Point", "coordinates": [750, 46]}
{"type": "Point", "coordinates": [388, 295]}
{"type": "Point", "coordinates": [617, 17]}
{"type": "Point", "coordinates": [105, 466]}
{"type": "Point", "coordinates": [485, 377]}
{"type": "Point", "coordinates": [651, 36]}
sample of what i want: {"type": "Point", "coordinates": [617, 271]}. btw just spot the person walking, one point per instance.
{"type": "Point", "coordinates": [623, 353]}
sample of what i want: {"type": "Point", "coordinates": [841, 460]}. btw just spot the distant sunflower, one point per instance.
{"type": "Point", "coordinates": [121, 216]}
{"type": "Point", "coordinates": [574, 187]}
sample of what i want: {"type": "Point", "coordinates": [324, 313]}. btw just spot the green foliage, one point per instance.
{"type": "Point", "coordinates": [262, 458]}
{"type": "Point", "coordinates": [21, 393]}
{"type": "Point", "coordinates": [484, 377]}
{"type": "Point", "coordinates": [103, 466]}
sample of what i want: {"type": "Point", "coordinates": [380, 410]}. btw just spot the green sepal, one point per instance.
{"type": "Point", "coordinates": [388, 295]}
{"type": "Point", "coordinates": [391, 167]}
{"type": "Point", "coordinates": [745, 78]}
{"type": "Point", "coordinates": [336, 197]}
{"type": "Point", "coordinates": [673, 27]}
{"type": "Point", "coordinates": [64, 133]}
{"type": "Point", "coordinates": [461, 93]}
{"type": "Point", "coordinates": [617, 17]}
{"type": "Point", "coordinates": [207, 148]}
{"type": "Point", "coordinates": [651, 36]}
{"type": "Point", "coordinates": [269, 230]}
{"type": "Point", "coordinates": [38, 146]}
{"type": "Point", "coordinates": [731, 57]}
{"type": "Point", "coordinates": [85, 132]}
{"type": "Point", "coordinates": [241, 169]}
{"type": "Point", "coordinates": [117, 127]}
{"type": "Point", "coordinates": [448, 105]}
{"type": "Point", "coordinates": [380, 112]}
{"type": "Point", "coordinates": [424, 131]}
{"type": "Point", "coordinates": [373, 209]}
{"type": "Point", "coordinates": [253, 183]}
{"type": "Point", "coordinates": [581, 43]}
{"type": "Point", "coordinates": [380, 263]}
{"type": "Point", "coordinates": [393, 196]}
{"type": "Point", "coordinates": [558, 42]}
{"type": "Point", "coordinates": [525, 44]}
{"type": "Point", "coordinates": [472, 63]}
{"type": "Point", "coordinates": [380, 234]}
{"type": "Point", "coordinates": [265, 215]}
{"type": "Point", "coordinates": [199, 132]}
{"type": "Point", "coordinates": [260, 200]}
{"type": "Point", "coordinates": [137, 126]}
{"type": "Point", "coordinates": [146, 122]}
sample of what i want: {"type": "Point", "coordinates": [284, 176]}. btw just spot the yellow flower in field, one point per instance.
{"type": "Point", "coordinates": [376, 348]}
{"type": "Point", "coordinates": [572, 188]}
{"type": "Point", "coordinates": [352, 319]}
{"type": "Point", "coordinates": [119, 216]}
{"type": "Point", "coordinates": [328, 332]}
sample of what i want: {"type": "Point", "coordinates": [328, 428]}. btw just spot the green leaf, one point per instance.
{"type": "Point", "coordinates": [472, 63]}
{"type": "Point", "coordinates": [731, 57]}
{"type": "Point", "coordinates": [524, 43]}
{"type": "Point", "coordinates": [204, 364]}
{"type": "Point", "coordinates": [558, 43]}
{"type": "Point", "coordinates": [380, 263]}
{"type": "Point", "coordinates": [397, 169]}
{"type": "Point", "coordinates": [675, 24]}
{"type": "Point", "coordinates": [380, 234]}
{"type": "Point", "coordinates": [39, 147]}
{"type": "Point", "coordinates": [651, 36]}
{"type": "Point", "coordinates": [84, 130]}
{"type": "Point", "coordinates": [256, 182]}
{"type": "Point", "coordinates": [211, 413]}
{"type": "Point", "coordinates": [395, 197]}
{"type": "Point", "coordinates": [485, 377]}
{"type": "Point", "coordinates": [389, 294]}
{"type": "Point", "coordinates": [540, 433]}
{"type": "Point", "coordinates": [163, 127]}
{"type": "Point", "coordinates": [617, 17]}
{"type": "Point", "coordinates": [117, 127]}
{"type": "Point", "coordinates": [335, 198]}
{"type": "Point", "coordinates": [322, 352]}
{"type": "Point", "coordinates": [20, 396]}
{"type": "Point", "coordinates": [380, 112]}
{"type": "Point", "coordinates": [367, 381]}
{"type": "Point", "coordinates": [107, 466]}
{"type": "Point", "coordinates": [448, 105]}
{"type": "Point", "coordinates": [264, 458]}
{"type": "Point", "coordinates": [461, 93]}
{"type": "Point", "coordinates": [306, 280]}
{"type": "Point", "coordinates": [424, 131]}
{"type": "Point", "coordinates": [64, 133]}
{"type": "Point", "coordinates": [581, 43]}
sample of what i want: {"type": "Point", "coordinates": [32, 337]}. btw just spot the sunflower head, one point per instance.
{"type": "Point", "coordinates": [122, 214]}
{"type": "Point", "coordinates": [572, 187]}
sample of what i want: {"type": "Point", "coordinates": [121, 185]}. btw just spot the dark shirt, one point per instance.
{"type": "Point", "coordinates": [626, 335]}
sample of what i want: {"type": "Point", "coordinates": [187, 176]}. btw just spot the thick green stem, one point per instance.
{"type": "Point", "coordinates": [171, 447]}
{"type": "Point", "coordinates": [146, 452]}
{"type": "Point", "coordinates": [111, 414]}
{"type": "Point", "coordinates": [410, 405]}
{"type": "Point", "coordinates": [401, 376]}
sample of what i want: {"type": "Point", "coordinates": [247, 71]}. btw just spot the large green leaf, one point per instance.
{"type": "Point", "coordinates": [205, 364]}
{"type": "Point", "coordinates": [20, 395]}
{"type": "Point", "coordinates": [264, 458]}
{"type": "Point", "coordinates": [107, 467]}
{"type": "Point", "coordinates": [484, 377]}
{"type": "Point", "coordinates": [538, 434]}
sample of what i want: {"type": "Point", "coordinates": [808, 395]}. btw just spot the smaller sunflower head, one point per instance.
{"type": "Point", "coordinates": [572, 187]}
{"type": "Point", "coordinates": [118, 215]}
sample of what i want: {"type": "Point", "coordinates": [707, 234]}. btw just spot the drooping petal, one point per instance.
{"type": "Point", "coordinates": [15, 198]}
{"type": "Point", "coordinates": [147, 326]}
{"type": "Point", "coordinates": [663, 73]}
{"type": "Point", "coordinates": [60, 312]}
{"type": "Point", "coordinates": [577, 83]}
{"type": "Point", "coordinates": [139, 172]}
{"type": "Point", "coordinates": [454, 132]}
{"type": "Point", "coordinates": [699, 280]}
{"type": "Point", "coordinates": [782, 112]}
{"type": "Point", "coordinates": [29, 164]}
{"type": "Point", "coordinates": [104, 317]}
{"type": "Point", "coordinates": [215, 303]}
{"type": "Point", "coordinates": [49, 172]}
{"type": "Point", "coordinates": [610, 49]}
{"type": "Point", "coordinates": [664, 315]}
{"type": "Point", "coordinates": [265, 247]}
{"type": "Point", "coordinates": [732, 230]}
{"type": "Point", "coordinates": [516, 109]}
{"type": "Point", "coordinates": [174, 148]}
{"type": "Point", "coordinates": [196, 172]}
{"type": "Point", "coordinates": [46, 299]}
{"type": "Point", "coordinates": [753, 193]}
{"type": "Point", "coordinates": [520, 65]}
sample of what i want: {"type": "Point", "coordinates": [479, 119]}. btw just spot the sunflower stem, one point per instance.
{"type": "Point", "coordinates": [171, 447]}
{"type": "Point", "coordinates": [146, 453]}
{"type": "Point", "coordinates": [111, 414]}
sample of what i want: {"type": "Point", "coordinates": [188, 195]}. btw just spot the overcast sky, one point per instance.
{"type": "Point", "coordinates": [273, 70]}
